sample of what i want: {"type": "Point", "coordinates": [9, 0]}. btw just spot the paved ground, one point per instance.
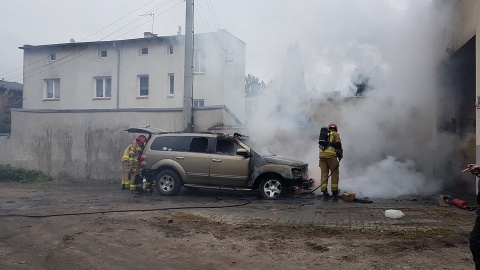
{"type": "Point", "coordinates": [99, 226]}
{"type": "Point", "coordinates": [420, 213]}
{"type": "Point", "coordinates": [233, 208]}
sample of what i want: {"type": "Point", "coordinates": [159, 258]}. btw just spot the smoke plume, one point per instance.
{"type": "Point", "coordinates": [389, 51]}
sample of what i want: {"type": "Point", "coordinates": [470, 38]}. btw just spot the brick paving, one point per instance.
{"type": "Point", "coordinates": [316, 212]}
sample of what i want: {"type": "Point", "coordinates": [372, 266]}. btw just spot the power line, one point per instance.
{"type": "Point", "coordinates": [94, 49]}
{"type": "Point", "coordinates": [203, 17]}
{"type": "Point", "coordinates": [214, 16]}
{"type": "Point", "coordinates": [44, 58]}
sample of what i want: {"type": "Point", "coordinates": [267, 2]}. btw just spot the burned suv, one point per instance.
{"type": "Point", "coordinates": [211, 160]}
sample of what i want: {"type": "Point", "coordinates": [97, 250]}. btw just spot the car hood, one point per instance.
{"type": "Point", "coordinates": [285, 161]}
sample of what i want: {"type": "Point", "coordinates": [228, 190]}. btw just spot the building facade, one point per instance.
{"type": "Point", "coordinates": [137, 73]}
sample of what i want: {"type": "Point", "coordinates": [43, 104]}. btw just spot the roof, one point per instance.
{"type": "Point", "coordinates": [11, 85]}
{"type": "Point", "coordinates": [110, 42]}
{"type": "Point", "coordinates": [75, 44]}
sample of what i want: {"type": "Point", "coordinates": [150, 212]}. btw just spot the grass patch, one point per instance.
{"type": "Point", "coordinates": [11, 174]}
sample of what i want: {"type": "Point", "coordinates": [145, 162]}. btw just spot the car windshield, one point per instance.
{"type": "Point", "coordinates": [258, 148]}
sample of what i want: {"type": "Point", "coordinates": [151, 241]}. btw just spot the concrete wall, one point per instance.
{"type": "Point", "coordinates": [88, 144]}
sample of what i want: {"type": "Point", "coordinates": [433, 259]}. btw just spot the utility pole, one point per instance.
{"type": "Point", "coordinates": [188, 69]}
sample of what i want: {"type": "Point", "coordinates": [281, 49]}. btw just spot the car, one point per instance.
{"type": "Point", "coordinates": [173, 160]}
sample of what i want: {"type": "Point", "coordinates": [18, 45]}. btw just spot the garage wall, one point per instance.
{"type": "Point", "coordinates": [88, 144]}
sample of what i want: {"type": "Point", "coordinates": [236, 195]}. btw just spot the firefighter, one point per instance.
{"type": "Point", "coordinates": [135, 150]}
{"type": "Point", "coordinates": [329, 161]}
{"type": "Point", "coordinates": [126, 168]}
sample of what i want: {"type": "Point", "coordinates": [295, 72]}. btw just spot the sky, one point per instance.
{"type": "Point", "coordinates": [395, 43]}
{"type": "Point", "coordinates": [267, 27]}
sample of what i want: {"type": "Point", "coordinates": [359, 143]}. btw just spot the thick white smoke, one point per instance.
{"type": "Point", "coordinates": [389, 136]}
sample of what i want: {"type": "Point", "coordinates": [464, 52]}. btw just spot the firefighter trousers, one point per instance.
{"type": "Point", "coordinates": [125, 172]}
{"type": "Point", "coordinates": [134, 172]}
{"type": "Point", "coordinates": [329, 165]}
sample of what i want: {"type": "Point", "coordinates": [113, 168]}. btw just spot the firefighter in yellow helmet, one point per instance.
{"type": "Point", "coordinates": [135, 151]}
{"type": "Point", "coordinates": [329, 160]}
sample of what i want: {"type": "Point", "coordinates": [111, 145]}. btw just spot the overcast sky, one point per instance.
{"type": "Point", "coordinates": [267, 26]}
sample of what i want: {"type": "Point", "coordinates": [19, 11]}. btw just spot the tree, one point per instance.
{"type": "Point", "coordinates": [253, 86]}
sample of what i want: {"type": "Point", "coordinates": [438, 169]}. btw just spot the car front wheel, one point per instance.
{"type": "Point", "coordinates": [272, 188]}
{"type": "Point", "coordinates": [168, 183]}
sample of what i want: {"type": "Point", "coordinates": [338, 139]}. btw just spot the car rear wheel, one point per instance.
{"type": "Point", "coordinates": [168, 183]}
{"type": "Point", "coordinates": [272, 188]}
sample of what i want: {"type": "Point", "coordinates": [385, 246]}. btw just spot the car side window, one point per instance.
{"type": "Point", "coordinates": [164, 143]}
{"type": "Point", "coordinates": [225, 147]}
{"type": "Point", "coordinates": [193, 144]}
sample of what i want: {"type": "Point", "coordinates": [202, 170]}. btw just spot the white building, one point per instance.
{"type": "Point", "coordinates": [146, 72]}
{"type": "Point", "coordinates": [80, 97]}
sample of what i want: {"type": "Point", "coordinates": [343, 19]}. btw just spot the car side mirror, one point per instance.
{"type": "Point", "coordinates": [243, 152]}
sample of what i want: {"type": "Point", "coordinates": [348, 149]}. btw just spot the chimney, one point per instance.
{"type": "Point", "coordinates": [149, 35]}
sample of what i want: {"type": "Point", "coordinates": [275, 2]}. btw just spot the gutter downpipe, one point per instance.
{"type": "Point", "coordinates": [118, 75]}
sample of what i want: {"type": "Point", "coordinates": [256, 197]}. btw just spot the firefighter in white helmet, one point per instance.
{"type": "Point", "coordinates": [329, 161]}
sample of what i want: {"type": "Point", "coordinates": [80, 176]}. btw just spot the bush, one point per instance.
{"type": "Point", "coordinates": [11, 174]}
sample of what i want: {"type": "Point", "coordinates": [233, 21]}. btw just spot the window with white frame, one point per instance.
{"type": "Point", "coordinates": [144, 51]}
{"type": "Point", "coordinates": [198, 103]}
{"type": "Point", "coordinates": [199, 62]}
{"type": "Point", "coordinates": [102, 54]}
{"type": "Point", "coordinates": [52, 89]}
{"type": "Point", "coordinates": [53, 57]}
{"type": "Point", "coordinates": [103, 87]}
{"type": "Point", "coordinates": [170, 49]}
{"type": "Point", "coordinates": [143, 86]}
{"type": "Point", "coordinates": [171, 83]}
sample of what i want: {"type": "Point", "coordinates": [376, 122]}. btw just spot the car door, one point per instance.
{"type": "Point", "coordinates": [193, 155]}
{"type": "Point", "coordinates": [226, 167]}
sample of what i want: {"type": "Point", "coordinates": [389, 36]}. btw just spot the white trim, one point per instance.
{"type": "Point", "coordinates": [55, 91]}
{"type": "Point", "coordinates": [138, 85]}
{"type": "Point", "coordinates": [104, 86]}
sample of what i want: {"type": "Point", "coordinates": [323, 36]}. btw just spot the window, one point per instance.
{"type": "Point", "coordinates": [171, 82]}
{"type": "Point", "coordinates": [143, 51]}
{"type": "Point", "coordinates": [164, 144]}
{"type": "Point", "coordinates": [170, 49]}
{"type": "Point", "coordinates": [52, 89]}
{"type": "Point", "coordinates": [225, 147]}
{"type": "Point", "coordinates": [53, 57]}
{"type": "Point", "coordinates": [198, 103]}
{"type": "Point", "coordinates": [143, 86]}
{"type": "Point", "coordinates": [193, 144]}
{"type": "Point", "coordinates": [102, 54]}
{"type": "Point", "coordinates": [199, 62]}
{"type": "Point", "coordinates": [103, 87]}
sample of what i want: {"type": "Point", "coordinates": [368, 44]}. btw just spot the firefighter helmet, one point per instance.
{"type": "Point", "coordinates": [333, 126]}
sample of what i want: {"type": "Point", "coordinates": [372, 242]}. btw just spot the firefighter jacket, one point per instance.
{"type": "Point", "coordinates": [135, 151]}
{"type": "Point", "coordinates": [126, 152]}
{"type": "Point", "coordinates": [334, 148]}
